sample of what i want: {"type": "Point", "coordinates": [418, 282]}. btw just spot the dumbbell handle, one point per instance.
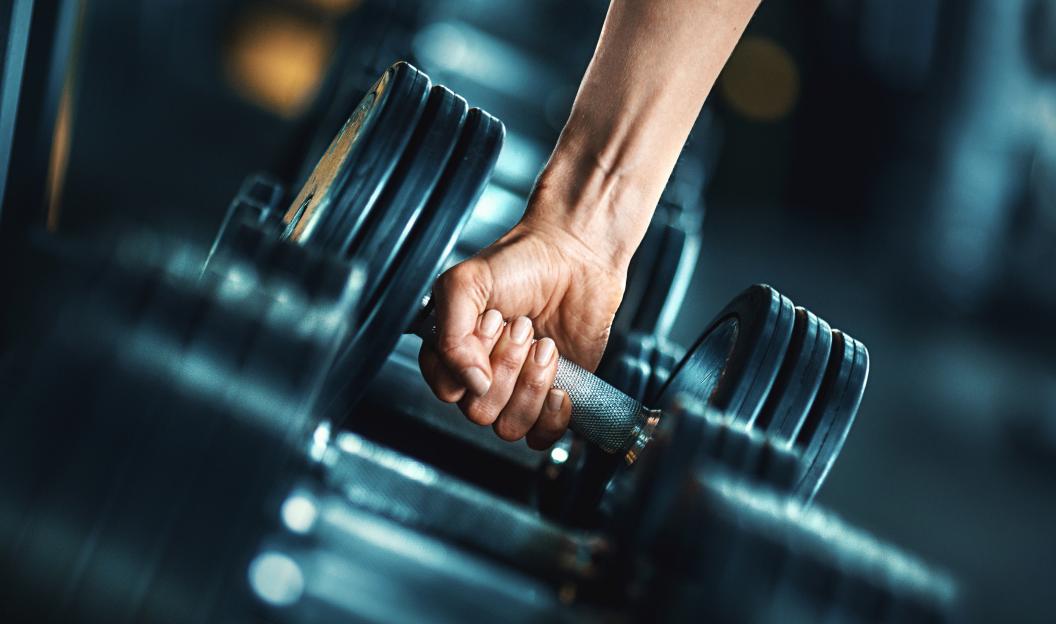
{"type": "Point", "coordinates": [601, 414]}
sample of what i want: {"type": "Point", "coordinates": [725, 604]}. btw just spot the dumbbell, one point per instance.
{"type": "Point", "coordinates": [690, 532]}
{"type": "Point", "coordinates": [169, 468]}
{"type": "Point", "coordinates": [718, 534]}
{"type": "Point", "coordinates": [396, 186]}
{"type": "Point", "coordinates": [770, 367]}
{"type": "Point", "coordinates": [735, 551]}
{"type": "Point", "coordinates": [150, 427]}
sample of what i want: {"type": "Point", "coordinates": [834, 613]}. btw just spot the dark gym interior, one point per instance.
{"type": "Point", "coordinates": [209, 414]}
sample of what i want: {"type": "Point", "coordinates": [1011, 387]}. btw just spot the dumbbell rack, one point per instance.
{"type": "Point", "coordinates": [237, 502]}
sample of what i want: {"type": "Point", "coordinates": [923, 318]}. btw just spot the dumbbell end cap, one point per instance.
{"type": "Point", "coordinates": [642, 435]}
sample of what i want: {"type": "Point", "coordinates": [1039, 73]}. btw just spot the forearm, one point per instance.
{"type": "Point", "coordinates": [653, 67]}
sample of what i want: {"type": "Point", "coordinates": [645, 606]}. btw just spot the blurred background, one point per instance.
{"type": "Point", "coordinates": [890, 164]}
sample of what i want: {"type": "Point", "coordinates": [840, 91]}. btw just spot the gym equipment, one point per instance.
{"type": "Point", "coordinates": [639, 364]}
{"type": "Point", "coordinates": [809, 564]}
{"type": "Point", "coordinates": [229, 502]}
{"type": "Point", "coordinates": [148, 427]}
{"type": "Point", "coordinates": [367, 202]}
{"type": "Point", "coordinates": [165, 446]}
{"type": "Point", "coordinates": [749, 360]}
{"type": "Point", "coordinates": [342, 208]}
{"type": "Point", "coordinates": [712, 537]}
{"type": "Point", "coordinates": [230, 499]}
{"type": "Point", "coordinates": [410, 147]}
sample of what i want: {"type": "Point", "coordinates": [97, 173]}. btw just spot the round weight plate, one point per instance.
{"type": "Point", "coordinates": [733, 365]}
{"type": "Point", "coordinates": [825, 429]}
{"type": "Point", "coordinates": [800, 377]}
{"type": "Point", "coordinates": [661, 279]}
{"type": "Point", "coordinates": [394, 305]}
{"type": "Point", "coordinates": [338, 196]}
{"type": "Point", "coordinates": [416, 175]}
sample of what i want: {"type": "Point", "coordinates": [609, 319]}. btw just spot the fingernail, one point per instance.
{"type": "Point", "coordinates": [491, 323]}
{"type": "Point", "coordinates": [520, 330]}
{"type": "Point", "coordinates": [554, 400]}
{"type": "Point", "coordinates": [544, 351]}
{"type": "Point", "coordinates": [477, 382]}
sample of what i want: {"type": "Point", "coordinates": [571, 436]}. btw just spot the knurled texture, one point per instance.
{"type": "Point", "coordinates": [600, 413]}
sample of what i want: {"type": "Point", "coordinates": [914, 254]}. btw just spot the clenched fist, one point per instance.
{"type": "Point", "coordinates": [503, 317]}
{"type": "Point", "coordinates": [553, 282]}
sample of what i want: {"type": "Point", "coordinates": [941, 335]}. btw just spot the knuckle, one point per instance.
{"type": "Point", "coordinates": [442, 390]}
{"type": "Point", "coordinates": [448, 345]}
{"type": "Point", "coordinates": [548, 428]}
{"type": "Point", "coordinates": [459, 275]}
{"type": "Point", "coordinates": [463, 279]}
{"type": "Point", "coordinates": [448, 395]}
{"type": "Point", "coordinates": [534, 383]}
{"type": "Point", "coordinates": [508, 430]}
{"type": "Point", "coordinates": [510, 359]}
{"type": "Point", "coordinates": [479, 413]}
{"type": "Point", "coordinates": [538, 441]}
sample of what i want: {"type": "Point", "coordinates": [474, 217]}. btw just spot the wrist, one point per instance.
{"type": "Point", "coordinates": [607, 207]}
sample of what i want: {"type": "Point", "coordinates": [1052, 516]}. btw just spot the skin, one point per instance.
{"type": "Point", "coordinates": [553, 282]}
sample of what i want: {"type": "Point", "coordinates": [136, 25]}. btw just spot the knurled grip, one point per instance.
{"type": "Point", "coordinates": [601, 414]}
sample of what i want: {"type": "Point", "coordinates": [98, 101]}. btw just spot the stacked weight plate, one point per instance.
{"type": "Point", "coordinates": [786, 373]}
{"type": "Point", "coordinates": [394, 189]}
{"type": "Point", "coordinates": [770, 368]}
{"type": "Point", "coordinates": [149, 426]}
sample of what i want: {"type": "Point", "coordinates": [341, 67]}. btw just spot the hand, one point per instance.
{"type": "Point", "coordinates": [556, 293]}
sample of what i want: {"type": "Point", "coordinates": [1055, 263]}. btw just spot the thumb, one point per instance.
{"type": "Point", "coordinates": [461, 296]}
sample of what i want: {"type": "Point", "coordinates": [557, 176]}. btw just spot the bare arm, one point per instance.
{"type": "Point", "coordinates": [558, 276]}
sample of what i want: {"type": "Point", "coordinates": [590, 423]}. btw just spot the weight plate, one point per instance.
{"type": "Point", "coordinates": [825, 429]}
{"type": "Point", "coordinates": [800, 377]}
{"type": "Point", "coordinates": [661, 278]}
{"type": "Point", "coordinates": [733, 365]}
{"type": "Point", "coordinates": [401, 203]}
{"type": "Point", "coordinates": [335, 201]}
{"type": "Point", "coordinates": [395, 304]}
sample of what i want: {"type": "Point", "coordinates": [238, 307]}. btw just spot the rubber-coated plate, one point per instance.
{"type": "Point", "coordinates": [661, 279]}
{"type": "Point", "coordinates": [390, 313]}
{"type": "Point", "coordinates": [335, 201]}
{"type": "Point", "coordinates": [733, 365]}
{"type": "Point", "coordinates": [823, 433]}
{"type": "Point", "coordinates": [800, 377]}
{"type": "Point", "coordinates": [409, 187]}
